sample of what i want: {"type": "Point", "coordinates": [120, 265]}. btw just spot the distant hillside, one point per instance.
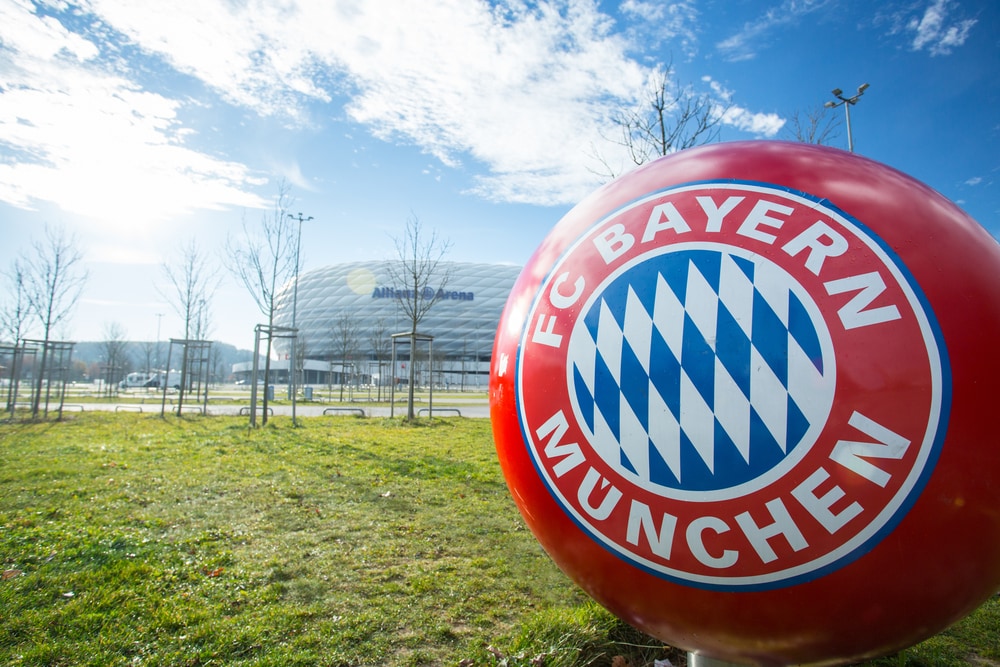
{"type": "Point", "coordinates": [144, 355]}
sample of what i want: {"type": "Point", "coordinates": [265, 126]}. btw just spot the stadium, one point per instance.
{"type": "Point", "coordinates": [346, 315]}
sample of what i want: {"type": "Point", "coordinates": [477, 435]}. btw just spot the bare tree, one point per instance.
{"type": "Point", "coordinates": [14, 315]}
{"type": "Point", "coordinates": [53, 281]}
{"type": "Point", "coordinates": [299, 359]}
{"type": "Point", "coordinates": [813, 126]}
{"type": "Point", "coordinates": [148, 354]}
{"type": "Point", "coordinates": [202, 320]}
{"type": "Point", "coordinates": [16, 309]}
{"type": "Point", "coordinates": [263, 260]}
{"type": "Point", "coordinates": [78, 371]}
{"type": "Point", "coordinates": [379, 342]}
{"type": "Point", "coordinates": [113, 351]}
{"type": "Point", "coordinates": [346, 344]}
{"type": "Point", "coordinates": [670, 117]}
{"type": "Point", "coordinates": [217, 370]}
{"type": "Point", "coordinates": [419, 280]}
{"type": "Point", "coordinates": [192, 282]}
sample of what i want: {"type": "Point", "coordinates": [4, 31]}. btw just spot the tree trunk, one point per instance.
{"type": "Point", "coordinates": [39, 376]}
{"type": "Point", "coordinates": [412, 374]}
{"type": "Point", "coordinates": [267, 378]}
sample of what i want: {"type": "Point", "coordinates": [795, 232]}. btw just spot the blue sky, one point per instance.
{"type": "Point", "coordinates": [138, 125]}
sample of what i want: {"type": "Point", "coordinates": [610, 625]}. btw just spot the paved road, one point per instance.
{"type": "Point", "coordinates": [446, 407]}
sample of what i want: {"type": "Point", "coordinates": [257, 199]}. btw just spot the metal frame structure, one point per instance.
{"type": "Point", "coordinates": [17, 351]}
{"type": "Point", "coordinates": [109, 373]}
{"type": "Point", "coordinates": [195, 370]}
{"type": "Point", "coordinates": [412, 338]}
{"type": "Point", "coordinates": [271, 332]}
{"type": "Point", "coordinates": [58, 356]}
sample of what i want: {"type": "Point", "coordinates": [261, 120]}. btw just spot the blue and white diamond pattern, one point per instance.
{"type": "Point", "coordinates": [700, 369]}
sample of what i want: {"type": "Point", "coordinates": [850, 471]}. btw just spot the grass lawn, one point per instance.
{"type": "Point", "coordinates": [127, 539]}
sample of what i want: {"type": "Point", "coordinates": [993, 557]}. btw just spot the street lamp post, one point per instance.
{"type": "Point", "coordinates": [295, 304]}
{"type": "Point", "coordinates": [848, 102]}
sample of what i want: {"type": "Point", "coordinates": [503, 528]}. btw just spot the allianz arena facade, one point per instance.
{"type": "Point", "coordinates": [462, 322]}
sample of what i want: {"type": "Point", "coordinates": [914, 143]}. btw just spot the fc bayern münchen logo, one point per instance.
{"type": "Point", "coordinates": [703, 385]}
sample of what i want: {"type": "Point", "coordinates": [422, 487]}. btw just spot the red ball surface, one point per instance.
{"type": "Point", "coordinates": [744, 395]}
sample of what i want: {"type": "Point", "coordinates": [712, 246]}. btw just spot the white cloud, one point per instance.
{"type": "Point", "coordinates": [253, 53]}
{"type": "Point", "coordinates": [39, 37]}
{"type": "Point", "coordinates": [291, 173]}
{"type": "Point", "coordinates": [937, 31]}
{"type": "Point", "coordinates": [664, 21]}
{"type": "Point", "coordinates": [762, 124]}
{"type": "Point", "coordinates": [975, 180]}
{"type": "Point", "coordinates": [743, 45]}
{"type": "Point", "coordinates": [720, 91]}
{"type": "Point", "coordinates": [92, 141]}
{"type": "Point", "coordinates": [525, 93]}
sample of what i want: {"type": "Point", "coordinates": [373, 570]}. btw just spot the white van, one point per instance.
{"type": "Point", "coordinates": [171, 379]}
{"type": "Point", "coordinates": [134, 380]}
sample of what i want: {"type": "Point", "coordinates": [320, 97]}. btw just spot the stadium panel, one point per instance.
{"type": "Point", "coordinates": [463, 322]}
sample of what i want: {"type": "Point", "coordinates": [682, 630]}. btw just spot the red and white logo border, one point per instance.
{"type": "Point", "coordinates": [859, 542]}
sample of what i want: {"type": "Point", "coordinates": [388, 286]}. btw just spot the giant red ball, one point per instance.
{"type": "Point", "coordinates": [745, 397]}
